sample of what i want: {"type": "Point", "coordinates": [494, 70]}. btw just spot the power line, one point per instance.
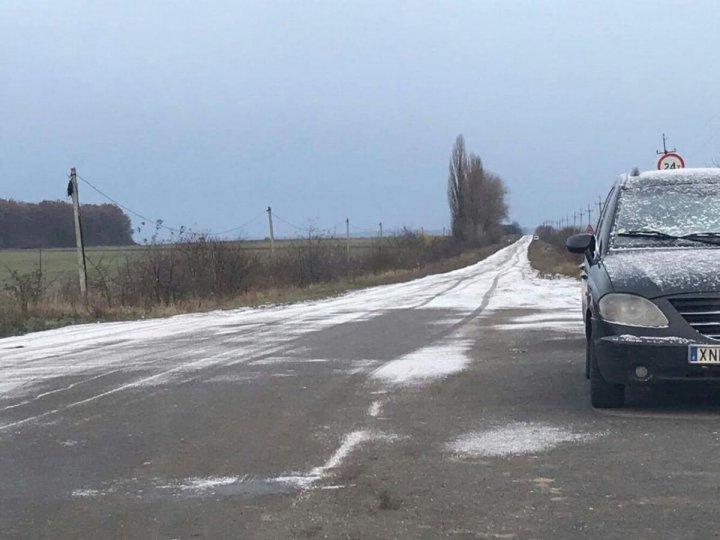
{"type": "Point", "coordinates": [239, 227]}
{"type": "Point", "coordinates": [286, 222]}
{"type": "Point", "coordinates": [159, 222]}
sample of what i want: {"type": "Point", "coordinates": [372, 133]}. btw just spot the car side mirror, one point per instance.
{"type": "Point", "coordinates": [581, 243]}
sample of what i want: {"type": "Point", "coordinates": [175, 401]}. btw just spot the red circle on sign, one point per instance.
{"type": "Point", "coordinates": [671, 154]}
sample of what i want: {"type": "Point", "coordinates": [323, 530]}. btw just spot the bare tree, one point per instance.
{"type": "Point", "coordinates": [487, 202]}
{"type": "Point", "coordinates": [458, 190]}
{"type": "Point", "coordinates": [476, 197]}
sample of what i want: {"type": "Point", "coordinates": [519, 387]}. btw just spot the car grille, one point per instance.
{"type": "Point", "coordinates": [703, 314]}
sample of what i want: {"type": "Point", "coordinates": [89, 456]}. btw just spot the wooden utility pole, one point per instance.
{"type": "Point", "coordinates": [82, 266]}
{"type": "Point", "coordinates": [347, 235]}
{"type": "Point", "coordinates": [272, 234]}
{"type": "Point", "coordinates": [381, 234]}
{"type": "Point", "coordinates": [589, 214]}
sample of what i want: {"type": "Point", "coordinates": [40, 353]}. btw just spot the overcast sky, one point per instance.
{"type": "Point", "coordinates": [204, 113]}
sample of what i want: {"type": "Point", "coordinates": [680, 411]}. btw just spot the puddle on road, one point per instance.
{"type": "Point", "coordinates": [195, 487]}
{"type": "Point", "coordinates": [228, 486]}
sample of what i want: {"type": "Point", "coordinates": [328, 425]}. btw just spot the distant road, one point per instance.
{"type": "Point", "coordinates": [453, 406]}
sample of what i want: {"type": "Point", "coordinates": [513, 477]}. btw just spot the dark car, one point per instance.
{"type": "Point", "coordinates": [651, 294]}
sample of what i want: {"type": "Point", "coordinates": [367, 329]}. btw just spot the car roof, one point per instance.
{"type": "Point", "coordinates": [677, 176]}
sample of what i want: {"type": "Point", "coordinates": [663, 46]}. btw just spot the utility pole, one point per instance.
{"type": "Point", "coordinates": [272, 235]}
{"type": "Point", "coordinates": [589, 214]}
{"type": "Point", "coordinates": [600, 205]}
{"type": "Point", "coordinates": [347, 235]}
{"type": "Point", "coordinates": [574, 220]}
{"type": "Point", "coordinates": [82, 267]}
{"type": "Point", "coordinates": [310, 253]}
{"type": "Point", "coordinates": [381, 233]}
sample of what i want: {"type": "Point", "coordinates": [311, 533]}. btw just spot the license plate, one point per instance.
{"type": "Point", "coordinates": [704, 354]}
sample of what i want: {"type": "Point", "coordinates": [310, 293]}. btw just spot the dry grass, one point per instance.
{"type": "Point", "coordinates": [551, 259]}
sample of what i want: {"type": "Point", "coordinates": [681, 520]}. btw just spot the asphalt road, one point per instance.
{"type": "Point", "coordinates": [449, 407]}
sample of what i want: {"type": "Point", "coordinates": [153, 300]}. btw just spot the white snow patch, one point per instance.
{"type": "Point", "coordinates": [549, 317]}
{"type": "Point", "coordinates": [238, 378]}
{"type": "Point", "coordinates": [561, 326]}
{"type": "Point", "coordinates": [517, 438]}
{"type": "Point", "coordinates": [85, 493]}
{"type": "Point", "coordinates": [351, 441]}
{"type": "Point", "coordinates": [208, 483]}
{"type": "Point", "coordinates": [375, 408]}
{"type": "Point", "coordinates": [426, 365]}
{"type": "Point", "coordinates": [287, 360]}
{"type": "Point", "coordinates": [522, 287]}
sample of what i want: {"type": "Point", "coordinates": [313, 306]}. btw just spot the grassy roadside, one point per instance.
{"type": "Point", "coordinates": [552, 260]}
{"type": "Point", "coordinates": [52, 315]}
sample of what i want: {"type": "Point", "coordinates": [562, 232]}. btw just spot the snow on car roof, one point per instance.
{"type": "Point", "coordinates": [677, 176]}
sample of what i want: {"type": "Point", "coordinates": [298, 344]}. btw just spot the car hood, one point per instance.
{"type": "Point", "coordinates": [660, 272]}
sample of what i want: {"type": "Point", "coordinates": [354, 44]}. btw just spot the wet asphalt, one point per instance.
{"type": "Point", "coordinates": [208, 455]}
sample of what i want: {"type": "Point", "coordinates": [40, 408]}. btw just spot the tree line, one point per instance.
{"type": "Point", "coordinates": [477, 199]}
{"type": "Point", "coordinates": [49, 224]}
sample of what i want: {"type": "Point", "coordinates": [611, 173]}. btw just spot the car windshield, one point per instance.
{"type": "Point", "coordinates": [652, 213]}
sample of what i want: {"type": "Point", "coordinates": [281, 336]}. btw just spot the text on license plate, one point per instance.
{"type": "Point", "coordinates": [700, 354]}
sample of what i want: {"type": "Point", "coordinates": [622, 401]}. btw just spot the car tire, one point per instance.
{"type": "Point", "coordinates": [603, 394]}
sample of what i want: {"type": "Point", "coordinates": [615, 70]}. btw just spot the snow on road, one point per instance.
{"type": "Point", "coordinates": [515, 438]}
{"type": "Point", "coordinates": [350, 442]}
{"type": "Point", "coordinates": [163, 351]}
{"type": "Point", "coordinates": [46, 374]}
{"type": "Point", "coordinates": [426, 364]}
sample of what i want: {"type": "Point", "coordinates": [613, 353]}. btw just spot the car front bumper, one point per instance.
{"type": "Point", "coordinates": [665, 358]}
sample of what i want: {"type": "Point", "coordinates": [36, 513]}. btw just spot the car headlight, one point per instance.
{"type": "Point", "coordinates": [631, 310]}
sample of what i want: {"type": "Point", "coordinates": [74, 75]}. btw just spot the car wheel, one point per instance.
{"type": "Point", "coordinates": [603, 394]}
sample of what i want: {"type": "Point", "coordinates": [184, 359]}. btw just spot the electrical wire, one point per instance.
{"type": "Point", "coordinates": [286, 222]}
{"type": "Point", "coordinates": [239, 227]}
{"type": "Point", "coordinates": [158, 222]}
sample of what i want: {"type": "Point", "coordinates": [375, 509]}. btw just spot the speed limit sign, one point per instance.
{"type": "Point", "coordinates": [670, 161]}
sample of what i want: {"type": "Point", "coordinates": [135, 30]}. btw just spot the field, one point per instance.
{"type": "Point", "coordinates": [60, 262]}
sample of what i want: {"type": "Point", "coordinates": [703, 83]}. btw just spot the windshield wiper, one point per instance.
{"type": "Point", "coordinates": [648, 233]}
{"type": "Point", "coordinates": [704, 237]}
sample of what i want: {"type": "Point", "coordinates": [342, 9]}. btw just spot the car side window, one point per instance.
{"type": "Point", "coordinates": [600, 235]}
